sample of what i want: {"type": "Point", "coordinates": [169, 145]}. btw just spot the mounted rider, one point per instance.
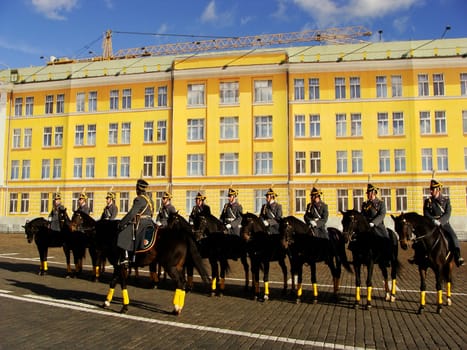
{"type": "Point", "coordinates": [83, 203]}
{"type": "Point", "coordinates": [316, 214]}
{"type": "Point", "coordinates": [110, 211]}
{"type": "Point", "coordinates": [54, 216]}
{"type": "Point", "coordinates": [166, 209]}
{"type": "Point", "coordinates": [231, 215]}
{"type": "Point", "coordinates": [200, 208]}
{"type": "Point", "coordinates": [271, 212]}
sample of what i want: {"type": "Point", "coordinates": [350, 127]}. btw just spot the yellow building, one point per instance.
{"type": "Point", "coordinates": [389, 112]}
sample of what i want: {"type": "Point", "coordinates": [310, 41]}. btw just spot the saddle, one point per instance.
{"type": "Point", "coordinates": [149, 239]}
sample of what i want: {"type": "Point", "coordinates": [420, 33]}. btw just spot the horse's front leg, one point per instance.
{"type": "Point", "coordinates": [223, 268]}
{"type": "Point", "coordinates": [67, 252]}
{"type": "Point", "coordinates": [369, 283]}
{"type": "Point", "coordinates": [358, 283]}
{"type": "Point", "coordinates": [246, 270]}
{"type": "Point", "coordinates": [439, 290]}
{"type": "Point", "coordinates": [298, 277]}
{"type": "Point", "coordinates": [43, 252]}
{"type": "Point", "coordinates": [266, 280]}
{"type": "Point", "coordinates": [384, 271]}
{"type": "Point", "coordinates": [422, 273]}
{"type": "Point", "coordinates": [314, 282]}
{"type": "Point", "coordinates": [284, 276]}
{"type": "Point", "coordinates": [448, 273]}
{"type": "Point", "coordinates": [214, 275]}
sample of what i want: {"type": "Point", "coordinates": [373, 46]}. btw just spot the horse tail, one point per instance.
{"type": "Point", "coordinates": [197, 260]}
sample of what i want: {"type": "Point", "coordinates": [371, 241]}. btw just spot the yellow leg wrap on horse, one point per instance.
{"type": "Point", "coordinates": [448, 289]}
{"type": "Point", "coordinates": [357, 294]}
{"type": "Point", "coordinates": [256, 287]}
{"type": "Point", "coordinates": [299, 290]}
{"type": "Point", "coordinates": [110, 295]}
{"type": "Point", "coordinates": [315, 289]}
{"type": "Point", "coordinates": [181, 299]}
{"type": "Point", "coordinates": [222, 283]}
{"type": "Point", "coordinates": [126, 299]}
{"type": "Point", "coordinates": [369, 290]}
{"type": "Point", "coordinates": [266, 288]}
{"type": "Point", "coordinates": [97, 271]}
{"type": "Point", "coordinates": [423, 298]}
{"type": "Point", "coordinates": [214, 284]}
{"type": "Point", "coordinates": [393, 287]}
{"type": "Point", "coordinates": [440, 297]}
{"type": "Point", "coordinates": [44, 266]}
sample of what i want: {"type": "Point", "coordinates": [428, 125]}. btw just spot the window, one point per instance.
{"type": "Point", "coordinates": [14, 170]}
{"type": "Point", "coordinates": [465, 158]}
{"type": "Point", "coordinates": [464, 121]}
{"type": "Point", "coordinates": [357, 195]}
{"type": "Point", "coordinates": [29, 106]}
{"type": "Point", "coordinates": [148, 132]}
{"type": "Point", "coordinates": [45, 172]}
{"type": "Point", "coordinates": [440, 122]}
{"type": "Point", "coordinates": [339, 86]}
{"type": "Point", "coordinates": [399, 160]}
{"type": "Point", "coordinates": [13, 202]}
{"type": "Point", "coordinates": [438, 84]}
{"type": "Point", "coordinates": [401, 199]}
{"type": "Point", "coordinates": [16, 138]}
{"type": "Point", "coordinates": [160, 165]}
{"type": "Point", "coordinates": [44, 203]}
{"type": "Point", "coordinates": [49, 104]}
{"type": "Point", "coordinates": [126, 133]}
{"type": "Point", "coordinates": [113, 100]}
{"type": "Point", "coordinates": [300, 163]}
{"type": "Point", "coordinates": [80, 101]}
{"type": "Point", "coordinates": [356, 124]}
{"type": "Point", "coordinates": [228, 92]}
{"type": "Point", "coordinates": [24, 202]}
{"type": "Point", "coordinates": [112, 167]}
{"type": "Point", "coordinates": [341, 125]}
{"type": "Point", "coordinates": [113, 133]}
{"type": "Point", "coordinates": [18, 107]}
{"type": "Point", "coordinates": [383, 124]}
{"type": "Point", "coordinates": [354, 87]}
{"type": "Point", "coordinates": [92, 101]}
{"type": "Point", "coordinates": [58, 136]}
{"type": "Point", "coordinates": [189, 200]}
{"type": "Point", "coordinates": [357, 162]}
{"type": "Point", "coordinates": [161, 130]}
{"type": "Point", "coordinates": [263, 163]}
{"type": "Point", "coordinates": [463, 79]}
{"type": "Point", "coordinates": [90, 166]}
{"type": "Point", "coordinates": [341, 162]}
{"type": "Point", "coordinates": [195, 129]}
{"type": "Point", "coordinates": [60, 103]}
{"type": "Point", "coordinates": [126, 99]}
{"type": "Point", "coordinates": [125, 166]}
{"type": "Point", "coordinates": [91, 134]}
{"type": "Point", "coordinates": [300, 125]}
{"type": "Point", "coordinates": [79, 135]}
{"type": "Point", "coordinates": [396, 85]}
{"type": "Point", "coordinates": [26, 173]}
{"type": "Point", "coordinates": [342, 200]}
{"type": "Point", "coordinates": [263, 127]}
{"type": "Point", "coordinates": [423, 85]}
{"type": "Point", "coordinates": [162, 96]}
{"type": "Point", "coordinates": [147, 166]}
{"type": "Point", "coordinates": [313, 86]}
{"type": "Point", "coordinates": [229, 128]}
{"type": "Point", "coordinates": [315, 125]}
{"type": "Point", "coordinates": [300, 201]}
{"type": "Point", "coordinates": [381, 87]}
{"type": "Point", "coordinates": [78, 168]}
{"type": "Point", "coordinates": [263, 91]}
{"type": "Point", "coordinates": [427, 159]}
{"type": "Point", "coordinates": [315, 162]}
{"type": "Point", "coordinates": [442, 159]}
{"type": "Point", "coordinates": [384, 161]}
{"type": "Point", "coordinates": [425, 123]}
{"type": "Point", "coordinates": [57, 169]}
{"type": "Point", "coordinates": [229, 164]}
{"type": "Point", "coordinates": [28, 138]}
{"type": "Point", "coordinates": [259, 200]}
{"type": "Point", "coordinates": [398, 123]}
{"type": "Point", "coordinates": [124, 202]}
{"type": "Point", "coordinates": [195, 94]}
{"type": "Point", "coordinates": [299, 89]}
{"type": "Point", "coordinates": [149, 97]}
{"type": "Point", "coordinates": [47, 137]}
{"type": "Point", "coordinates": [195, 165]}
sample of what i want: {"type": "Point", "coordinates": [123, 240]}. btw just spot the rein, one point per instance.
{"type": "Point", "coordinates": [423, 237]}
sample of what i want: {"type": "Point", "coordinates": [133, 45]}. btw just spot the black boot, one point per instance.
{"type": "Point", "coordinates": [457, 257]}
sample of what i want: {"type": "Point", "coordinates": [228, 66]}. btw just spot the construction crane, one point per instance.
{"type": "Point", "coordinates": [342, 35]}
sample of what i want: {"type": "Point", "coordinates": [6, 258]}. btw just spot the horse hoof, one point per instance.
{"type": "Point", "coordinates": [176, 312]}
{"type": "Point", "coordinates": [439, 310]}
{"type": "Point", "coordinates": [298, 301]}
{"type": "Point", "coordinates": [420, 310]}
{"type": "Point", "coordinates": [368, 307]}
{"type": "Point", "coordinates": [106, 304]}
{"type": "Point", "coordinates": [266, 297]}
{"type": "Point", "coordinates": [220, 294]}
{"type": "Point", "coordinates": [213, 294]}
{"type": "Point", "coordinates": [393, 298]}
{"type": "Point", "coordinates": [387, 297]}
{"type": "Point", "coordinates": [315, 301]}
{"type": "Point", "coordinates": [356, 306]}
{"type": "Point", "coordinates": [124, 309]}
{"type": "Point", "coordinates": [42, 273]}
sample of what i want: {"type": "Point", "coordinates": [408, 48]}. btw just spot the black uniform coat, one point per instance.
{"type": "Point", "coordinates": [440, 209]}
{"type": "Point", "coordinates": [375, 211]}
{"type": "Point", "coordinates": [232, 214]}
{"type": "Point", "coordinates": [203, 209]}
{"type": "Point", "coordinates": [110, 212]}
{"type": "Point", "coordinates": [272, 213]}
{"type": "Point", "coordinates": [319, 213]}
{"type": "Point", "coordinates": [164, 212]}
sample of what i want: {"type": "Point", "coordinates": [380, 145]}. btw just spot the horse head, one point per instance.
{"type": "Point", "coordinates": [178, 223]}
{"type": "Point", "coordinates": [286, 231]}
{"type": "Point", "coordinates": [404, 229]}
{"type": "Point", "coordinates": [251, 226]}
{"type": "Point", "coordinates": [82, 222]}
{"type": "Point", "coordinates": [412, 226]}
{"type": "Point", "coordinates": [31, 228]}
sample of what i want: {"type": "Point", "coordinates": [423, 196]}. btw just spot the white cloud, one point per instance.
{"type": "Point", "coordinates": [18, 46]}
{"type": "Point", "coordinates": [212, 15]}
{"type": "Point", "coordinates": [209, 13]}
{"type": "Point", "coordinates": [280, 13]}
{"type": "Point", "coordinates": [54, 9]}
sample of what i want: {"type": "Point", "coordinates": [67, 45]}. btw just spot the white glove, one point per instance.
{"type": "Point", "coordinates": [228, 226]}
{"type": "Point", "coordinates": [372, 224]}
{"type": "Point", "coordinates": [437, 222]}
{"type": "Point", "coordinates": [158, 223]}
{"type": "Point", "coordinates": [191, 222]}
{"type": "Point", "coordinates": [313, 223]}
{"type": "Point", "coordinates": [266, 223]}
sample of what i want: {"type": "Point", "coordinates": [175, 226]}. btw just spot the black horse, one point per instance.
{"type": "Point", "coordinates": [262, 248]}
{"type": "Point", "coordinates": [219, 247]}
{"type": "Point", "coordinates": [367, 249]}
{"type": "Point", "coordinates": [38, 230]}
{"type": "Point", "coordinates": [431, 251]}
{"type": "Point", "coordinates": [171, 249]}
{"type": "Point", "coordinates": [306, 248]}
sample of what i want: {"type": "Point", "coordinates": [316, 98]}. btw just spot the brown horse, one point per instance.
{"type": "Point", "coordinates": [431, 251]}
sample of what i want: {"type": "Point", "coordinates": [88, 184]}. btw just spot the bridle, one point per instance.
{"type": "Point", "coordinates": [350, 231]}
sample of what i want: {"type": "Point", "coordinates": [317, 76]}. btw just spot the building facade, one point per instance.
{"type": "Point", "coordinates": [334, 116]}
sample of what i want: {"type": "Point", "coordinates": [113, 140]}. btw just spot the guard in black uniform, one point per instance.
{"type": "Point", "coordinates": [166, 209]}
{"type": "Point", "coordinates": [111, 210]}
{"type": "Point", "coordinates": [54, 217]}
{"type": "Point", "coordinates": [271, 212]}
{"type": "Point", "coordinates": [316, 214]}
{"type": "Point", "coordinates": [200, 208]}
{"type": "Point", "coordinates": [83, 204]}
{"type": "Point", "coordinates": [231, 215]}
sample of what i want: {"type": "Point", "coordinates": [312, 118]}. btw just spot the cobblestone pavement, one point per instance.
{"type": "Point", "coordinates": [42, 312]}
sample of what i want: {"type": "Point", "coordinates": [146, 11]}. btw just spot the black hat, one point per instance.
{"type": "Point", "coordinates": [57, 196]}
{"type": "Point", "coordinates": [110, 195]}
{"type": "Point", "coordinates": [271, 192]}
{"type": "Point", "coordinates": [200, 196]}
{"type": "Point", "coordinates": [232, 192]}
{"type": "Point", "coordinates": [141, 185]}
{"type": "Point", "coordinates": [83, 196]}
{"type": "Point", "coordinates": [315, 192]}
{"type": "Point", "coordinates": [435, 184]}
{"type": "Point", "coordinates": [371, 188]}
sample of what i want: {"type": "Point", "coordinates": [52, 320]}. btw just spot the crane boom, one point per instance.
{"type": "Point", "coordinates": [331, 35]}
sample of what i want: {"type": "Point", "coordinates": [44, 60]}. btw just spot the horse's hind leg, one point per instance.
{"type": "Point", "coordinates": [284, 276]}
{"type": "Point", "coordinates": [43, 251]}
{"type": "Point", "coordinates": [246, 270]}
{"type": "Point", "coordinates": [439, 290]}
{"type": "Point", "coordinates": [448, 273]}
{"type": "Point", "coordinates": [422, 273]}
{"type": "Point", "coordinates": [67, 252]}
{"type": "Point", "coordinates": [387, 291]}
{"type": "Point", "coordinates": [369, 285]}
{"type": "Point", "coordinates": [266, 280]}
{"type": "Point", "coordinates": [314, 282]}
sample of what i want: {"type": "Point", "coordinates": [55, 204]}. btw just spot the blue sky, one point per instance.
{"type": "Point", "coordinates": [30, 29]}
